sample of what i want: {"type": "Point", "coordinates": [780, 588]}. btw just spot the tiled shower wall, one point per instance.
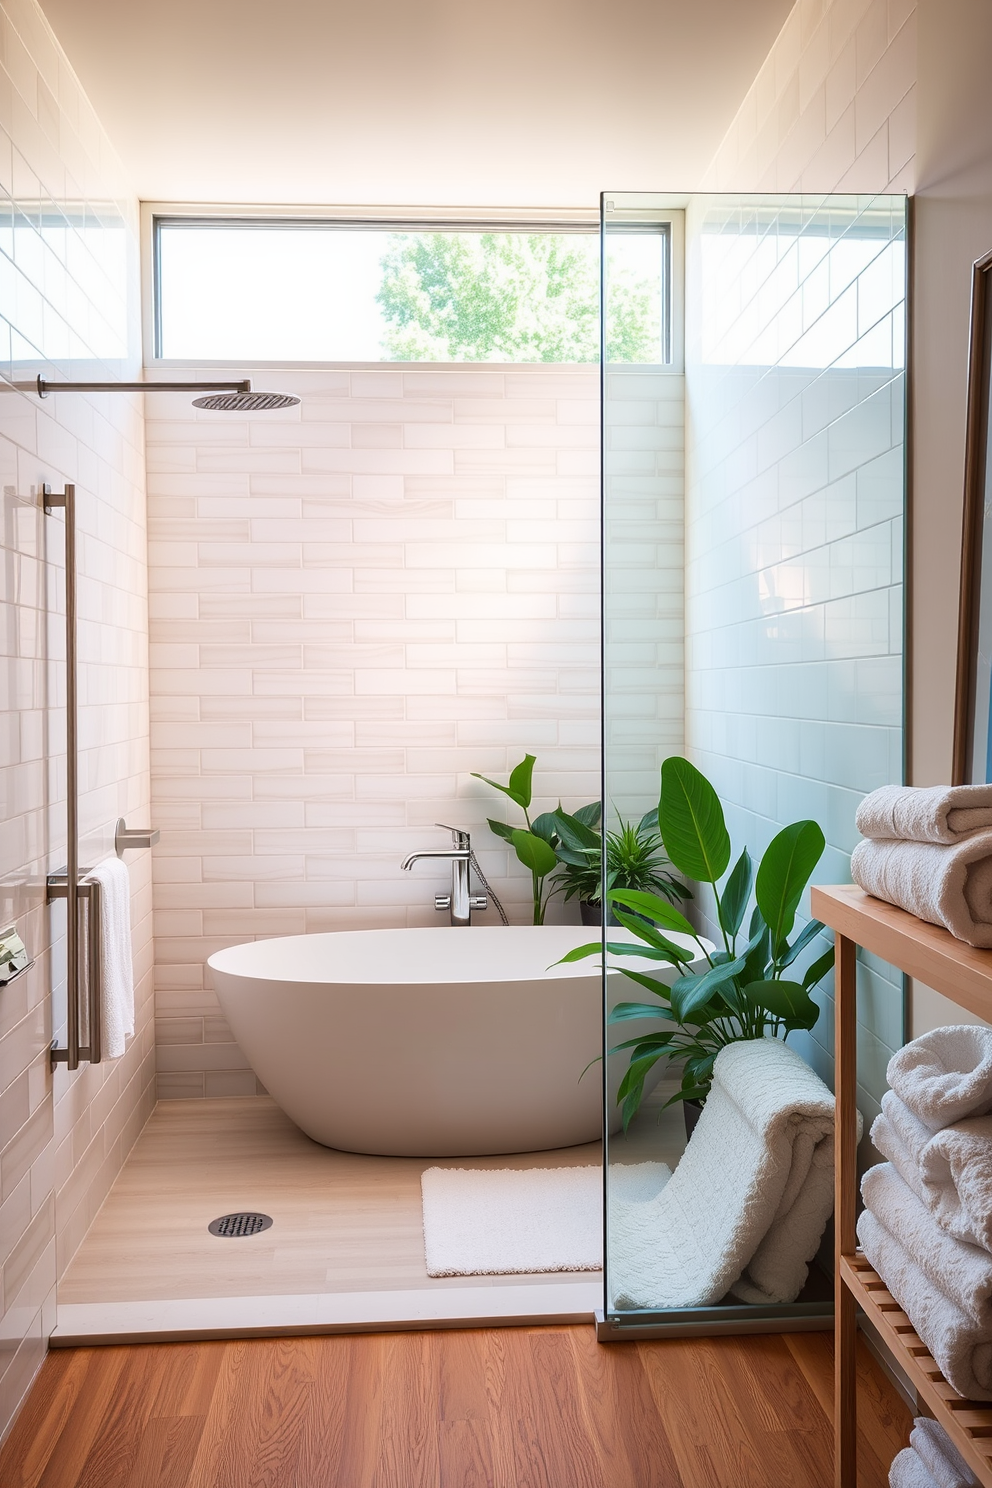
{"type": "Point", "coordinates": [68, 297]}
{"type": "Point", "coordinates": [356, 603]}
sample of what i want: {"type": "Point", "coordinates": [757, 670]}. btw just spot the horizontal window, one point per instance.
{"type": "Point", "coordinates": [271, 290]}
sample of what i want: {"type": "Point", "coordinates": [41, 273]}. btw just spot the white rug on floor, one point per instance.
{"type": "Point", "coordinates": [507, 1221]}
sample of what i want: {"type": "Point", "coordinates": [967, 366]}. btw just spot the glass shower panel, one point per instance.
{"type": "Point", "coordinates": [753, 502]}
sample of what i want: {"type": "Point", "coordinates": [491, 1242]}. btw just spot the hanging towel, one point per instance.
{"type": "Point", "coordinates": [950, 1171]}
{"type": "Point", "coordinates": [939, 1455]}
{"type": "Point", "coordinates": [116, 969]}
{"type": "Point", "coordinates": [961, 1347]}
{"type": "Point", "coordinates": [961, 1272]}
{"type": "Point", "coordinates": [946, 1075]}
{"type": "Point", "coordinates": [949, 886]}
{"type": "Point", "coordinates": [937, 813]}
{"type": "Point", "coordinates": [909, 1471]}
{"type": "Point", "coordinates": [747, 1205]}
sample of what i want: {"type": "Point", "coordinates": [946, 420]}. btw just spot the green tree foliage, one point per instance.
{"type": "Point", "coordinates": [510, 297]}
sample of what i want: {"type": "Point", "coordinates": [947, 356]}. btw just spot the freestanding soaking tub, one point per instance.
{"type": "Point", "coordinates": [428, 1043]}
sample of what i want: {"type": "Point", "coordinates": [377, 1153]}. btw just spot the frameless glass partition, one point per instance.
{"type": "Point", "coordinates": [753, 504]}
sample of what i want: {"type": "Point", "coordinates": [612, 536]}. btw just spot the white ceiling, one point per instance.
{"type": "Point", "coordinates": [415, 102]}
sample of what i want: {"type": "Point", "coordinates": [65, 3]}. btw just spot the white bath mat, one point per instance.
{"type": "Point", "coordinates": [504, 1221]}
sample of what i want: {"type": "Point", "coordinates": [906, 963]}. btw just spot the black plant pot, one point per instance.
{"type": "Point", "coordinates": [691, 1112]}
{"type": "Point", "coordinates": [590, 912]}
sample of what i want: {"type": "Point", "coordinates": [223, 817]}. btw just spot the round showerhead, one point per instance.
{"type": "Point", "coordinates": [246, 402]}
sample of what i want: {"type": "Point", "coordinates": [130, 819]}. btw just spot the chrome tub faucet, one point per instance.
{"type": "Point", "coordinates": [461, 901]}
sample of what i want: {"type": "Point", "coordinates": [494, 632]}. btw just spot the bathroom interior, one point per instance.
{"type": "Point", "coordinates": [339, 672]}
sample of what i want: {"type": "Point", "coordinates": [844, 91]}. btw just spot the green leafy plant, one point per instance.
{"type": "Point", "coordinates": [734, 991]}
{"type": "Point", "coordinates": [537, 844]}
{"type": "Point", "coordinates": [635, 859]}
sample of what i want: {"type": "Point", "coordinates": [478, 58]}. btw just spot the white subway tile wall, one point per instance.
{"type": "Point", "coordinates": [68, 302]}
{"type": "Point", "coordinates": [355, 603]}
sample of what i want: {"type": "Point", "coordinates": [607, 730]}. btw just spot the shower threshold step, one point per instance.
{"type": "Point", "coordinates": [82, 1324]}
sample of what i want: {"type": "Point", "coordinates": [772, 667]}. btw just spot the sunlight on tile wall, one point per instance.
{"type": "Point", "coordinates": [355, 604]}
{"type": "Point", "coordinates": [68, 287]}
{"type": "Point", "coordinates": [794, 501]}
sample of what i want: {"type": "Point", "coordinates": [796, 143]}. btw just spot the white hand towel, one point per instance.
{"type": "Point", "coordinates": [748, 1203]}
{"type": "Point", "coordinates": [909, 1471]}
{"type": "Point", "coordinates": [946, 1075]}
{"type": "Point", "coordinates": [963, 1273]}
{"type": "Point", "coordinates": [961, 1347]}
{"type": "Point", "coordinates": [936, 813]}
{"type": "Point", "coordinates": [949, 1170]}
{"type": "Point", "coordinates": [116, 968]}
{"type": "Point", "coordinates": [949, 886]}
{"type": "Point", "coordinates": [939, 1455]}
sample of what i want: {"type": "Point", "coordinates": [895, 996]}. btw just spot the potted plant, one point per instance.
{"type": "Point", "coordinates": [635, 859]}
{"type": "Point", "coordinates": [743, 991]}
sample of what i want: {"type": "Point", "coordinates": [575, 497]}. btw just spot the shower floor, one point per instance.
{"type": "Point", "coordinates": [345, 1248]}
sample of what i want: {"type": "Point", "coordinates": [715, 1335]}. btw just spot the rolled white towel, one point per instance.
{"type": "Point", "coordinates": [961, 1347]}
{"type": "Point", "coordinates": [946, 1075]}
{"type": "Point", "coordinates": [950, 1171]}
{"type": "Point", "coordinates": [949, 886]}
{"type": "Point", "coordinates": [936, 813]}
{"type": "Point", "coordinates": [963, 1273]}
{"type": "Point", "coordinates": [939, 1455]}
{"type": "Point", "coordinates": [910, 1471]}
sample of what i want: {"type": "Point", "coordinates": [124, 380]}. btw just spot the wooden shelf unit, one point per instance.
{"type": "Point", "coordinates": [964, 975]}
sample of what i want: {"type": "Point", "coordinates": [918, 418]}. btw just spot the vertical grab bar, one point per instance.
{"type": "Point", "coordinates": [70, 1056]}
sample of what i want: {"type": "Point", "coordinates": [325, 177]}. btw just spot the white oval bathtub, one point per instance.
{"type": "Point", "coordinates": [427, 1043]}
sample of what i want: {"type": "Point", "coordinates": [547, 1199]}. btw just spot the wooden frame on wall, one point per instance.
{"type": "Point", "coordinates": [972, 721]}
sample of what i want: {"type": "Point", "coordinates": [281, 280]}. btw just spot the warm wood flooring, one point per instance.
{"type": "Point", "coordinates": [509, 1408]}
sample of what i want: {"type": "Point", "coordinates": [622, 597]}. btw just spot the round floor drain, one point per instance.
{"type": "Point", "coordinates": [236, 1225]}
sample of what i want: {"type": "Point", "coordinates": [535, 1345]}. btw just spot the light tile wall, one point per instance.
{"type": "Point", "coordinates": [68, 297]}
{"type": "Point", "coordinates": [644, 704]}
{"type": "Point", "coordinates": [355, 604]}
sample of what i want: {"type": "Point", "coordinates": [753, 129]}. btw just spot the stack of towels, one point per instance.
{"type": "Point", "coordinates": [930, 852]}
{"type": "Point", "coordinates": [930, 1461]}
{"type": "Point", "coordinates": [927, 1223]}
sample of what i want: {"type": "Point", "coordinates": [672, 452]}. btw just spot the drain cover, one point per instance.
{"type": "Point", "coordinates": [235, 1225]}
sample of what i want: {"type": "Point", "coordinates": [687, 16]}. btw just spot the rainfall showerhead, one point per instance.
{"type": "Point", "coordinates": [246, 402]}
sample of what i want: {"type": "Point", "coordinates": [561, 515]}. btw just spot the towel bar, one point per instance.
{"type": "Point", "coordinates": [90, 892]}
{"type": "Point", "coordinates": [126, 838]}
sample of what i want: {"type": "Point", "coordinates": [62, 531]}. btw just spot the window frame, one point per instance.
{"type": "Point", "coordinates": [578, 220]}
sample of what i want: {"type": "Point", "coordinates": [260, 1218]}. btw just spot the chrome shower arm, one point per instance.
{"type": "Point", "coordinates": [43, 387]}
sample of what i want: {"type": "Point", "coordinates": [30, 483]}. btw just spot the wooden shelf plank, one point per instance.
{"type": "Point", "coordinates": [927, 952]}
{"type": "Point", "coordinates": [967, 1422]}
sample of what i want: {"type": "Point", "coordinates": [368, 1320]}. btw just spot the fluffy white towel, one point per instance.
{"type": "Point", "coordinates": [949, 886]}
{"type": "Point", "coordinates": [949, 1170]}
{"type": "Point", "coordinates": [940, 1456]}
{"type": "Point", "coordinates": [909, 1471]}
{"type": "Point", "coordinates": [748, 1203]}
{"type": "Point", "coordinates": [961, 1347]}
{"type": "Point", "coordinates": [963, 1273]}
{"type": "Point", "coordinates": [945, 1075]}
{"type": "Point", "coordinates": [936, 813]}
{"type": "Point", "coordinates": [116, 969]}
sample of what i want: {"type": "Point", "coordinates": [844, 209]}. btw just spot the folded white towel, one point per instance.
{"type": "Point", "coordinates": [116, 968]}
{"type": "Point", "coordinates": [962, 1272]}
{"type": "Point", "coordinates": [909, 1471]}
{"type": "Point", "coordinates": [946, 1075]}
{"type": "Point", "coordinates": [949, 886]}
{"type": "Point", "coordinates": [748, 1203]}
{"type": "Point", "coordinates": [939, 1455]}
{"type": "Point", "coordinates": [949, 1170]}
{"type": "Point", "coordinates": [936, 813]}
{"type": "Point", "coordinates": [961, 1347]}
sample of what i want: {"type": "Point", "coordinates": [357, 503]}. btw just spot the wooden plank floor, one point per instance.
{"type": "Point", "coordinates": [506, 1408]}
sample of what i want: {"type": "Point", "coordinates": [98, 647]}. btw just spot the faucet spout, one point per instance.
{"type": "Point", "coordinates": [461, 901]}
{"type": "Point", "coordinates": [454, 855]}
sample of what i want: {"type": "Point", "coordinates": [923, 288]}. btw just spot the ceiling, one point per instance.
{"type": "Point", "coordinates": [414, 102]}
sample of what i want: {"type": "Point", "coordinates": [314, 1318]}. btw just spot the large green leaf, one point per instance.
{"type": "Point", "coordinates": [786, 1000]}
{"type": "Point", "coordinates": [521, 780]}
{"type": "Point", "coordinates": [691, 820]}
{"type": "Point", "coordinates": [575, 834]}
{"type": "Point", "coordinates": [783, 873]}
{"type": "Point", "coordinates": [627, 1010]}
{"type": "Point", "coordinates": [807, 933]}
{"type": "Point", "coordinates": [653, 908]}
{"type": "Point", "coordinates": [690, 993]}
{"type": "Point", "coordinates": [653, 937]}
{"type": "Point", "coordinates": [649, 821]}
{"type": "Point", "coordinates": [545, 826]}
{"type": "Point", "coordinates": [533, 853]}
{"type": "Point", "coordinates": [591, 815]}
{"type": "Point", "coordinates": [736, 892]}
{"type": "Point", "coordinates": [500, 828]}
{"type": "Point", "coordinates": [818, 969]}
{"type": "Point", "coordinates": [579, 953]}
